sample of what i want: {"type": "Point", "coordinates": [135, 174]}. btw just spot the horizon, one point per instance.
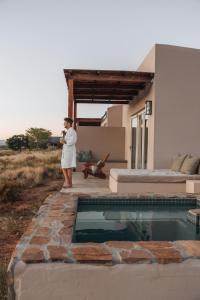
{"type": "Point", "coordinates": [40, 39]}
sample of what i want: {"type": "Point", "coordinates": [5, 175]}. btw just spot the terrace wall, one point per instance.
{"type": "Point", "coordinates": [77, 281]}
{"type": "Point", "coordinates": [102, 140]}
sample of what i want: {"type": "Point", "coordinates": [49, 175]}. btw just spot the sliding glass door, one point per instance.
{"type": "Point", "coordinates": [139, 141]}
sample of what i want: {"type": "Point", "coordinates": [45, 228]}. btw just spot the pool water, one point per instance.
{"type": "Point", "coordinates": [133, 222]}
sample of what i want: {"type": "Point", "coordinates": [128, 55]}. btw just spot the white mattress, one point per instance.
{"type": "Point", "coordinates": [144, 175]}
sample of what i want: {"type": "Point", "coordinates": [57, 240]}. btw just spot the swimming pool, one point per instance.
{"type": "Point", "coordinates": [100, 220]}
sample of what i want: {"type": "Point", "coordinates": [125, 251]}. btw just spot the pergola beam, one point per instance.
{"type": "Point", "coordinates": [106, 91]}
{"type": "Point", "coordinates": [109, 85]}
{"type": "Point", "coordinates": [103, 96]}
{"type": "Point", "coordinates": [131, 78]}
{"type": "Point", "coordinates": [103, 101]}
{"type": "Point", "coordinates": [114, 97]}
{"type": "Point", "coordinates": [70, 97]}
{"type": "Point", "coordinates": [75, 114]}
{"type": "Point", "coordinates": [108, 75]}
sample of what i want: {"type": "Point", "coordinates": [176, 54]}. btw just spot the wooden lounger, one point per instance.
{"type": "Point", "coordinates": [95, 170]}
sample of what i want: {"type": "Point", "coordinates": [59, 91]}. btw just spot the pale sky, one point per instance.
{"type": "Point", "coordinates": [39, 38]}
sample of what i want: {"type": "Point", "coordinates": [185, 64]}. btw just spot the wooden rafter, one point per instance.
{"type": "Point", "coordinates": [106, 91]}
{"type": "Point", "coordinates": [112, 101]}
{"type": "Point", "coordinates": [109, 85]}
{"type": "Point", "coordinates": [108, 75]}
{"type": "Point", "coordinates": [104, 97]}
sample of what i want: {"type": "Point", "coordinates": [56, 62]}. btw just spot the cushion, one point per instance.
{"type": "Point", "coordinates": [84, 156]}
{"type": "Point", "coordinates": [190, 165]}
{"type": "Point", "coordinates": [177, 162]}
{"type": "Point", "coordinates": [153, 176]}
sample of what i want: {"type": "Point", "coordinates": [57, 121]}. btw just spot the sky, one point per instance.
{"type": "Point", "coordinates": [39, 38]}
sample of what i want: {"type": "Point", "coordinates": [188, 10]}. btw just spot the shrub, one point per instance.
{"type": "Point", "coordinates": [38, 137]}
{"type": "Point", "coordinates": [9, 191]}
{"type": "Point", "coordinates": [17, 142]}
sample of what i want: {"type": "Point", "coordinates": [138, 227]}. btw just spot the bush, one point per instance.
{"type": "Point", "coordinates": [17, 142]}
{"type": "Point", "coordinates": [9, 191]}
{"type": "Point", "coordinates": [38, 137]}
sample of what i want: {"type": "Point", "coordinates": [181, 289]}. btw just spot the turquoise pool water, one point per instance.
{"type": "Point", "coordinates": [134, 221]}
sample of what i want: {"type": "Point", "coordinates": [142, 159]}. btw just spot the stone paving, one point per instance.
{"type": "Point", "coordinates": [90, 185]}
{"type": "Point", "coordinates": [49, 238]}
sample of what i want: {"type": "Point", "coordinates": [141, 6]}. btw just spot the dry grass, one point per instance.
{"type": "Point", "coordinates": [7, 152]}
{"type": "Point", "coordinates": [27, 169]}
{"type": "Point", "coordinates": [3, 284]}
{"type": "Point", "coordinates": [28, 176]}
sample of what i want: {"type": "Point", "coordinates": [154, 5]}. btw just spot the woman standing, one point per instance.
{"type": "Point", "coordinates": [68, 159]}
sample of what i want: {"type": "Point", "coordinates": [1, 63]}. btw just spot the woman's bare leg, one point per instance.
{"type": "Point", "coordinates": [69, 172]}
{"type": "Point", "coordinates": [67, 181]}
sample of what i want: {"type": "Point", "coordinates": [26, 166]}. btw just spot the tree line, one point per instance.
{"type": "Point", "coordinates": [35, 138]}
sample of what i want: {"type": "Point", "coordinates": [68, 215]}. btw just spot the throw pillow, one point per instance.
{"type": "Point", "coordinates": [190, 165]}
{"type": "Point", "coordinates": [177, 162]}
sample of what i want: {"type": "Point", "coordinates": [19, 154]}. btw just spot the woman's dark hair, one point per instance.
{"type": "Point", "coordinates": [69, 120]}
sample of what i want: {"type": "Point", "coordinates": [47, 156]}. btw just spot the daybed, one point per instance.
{"type": "Point", "coordinates": [144, 181]}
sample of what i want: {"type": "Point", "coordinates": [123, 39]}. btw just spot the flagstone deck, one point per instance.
{"type": "Point", "coordinates": [48, 239]}
{"type": "Point", "coordinates": [90, 185]}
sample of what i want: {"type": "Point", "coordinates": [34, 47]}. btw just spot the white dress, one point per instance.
{"type": "Point", "coordinates": [68, 159]}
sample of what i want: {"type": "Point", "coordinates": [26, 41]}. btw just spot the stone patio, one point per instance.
{"type": "Point", "coordinates": [90, 185]}
{"type": "Point", "coordinates": [48, 239]}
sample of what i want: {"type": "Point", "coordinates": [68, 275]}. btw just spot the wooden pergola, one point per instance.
{"type": "Point", "coordinates": [105, 87]}
{"type": "Point", "coordinates": [88, 121]}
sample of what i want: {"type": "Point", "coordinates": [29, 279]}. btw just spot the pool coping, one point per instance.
{"type": "Point", "coordinates": [49, 239]}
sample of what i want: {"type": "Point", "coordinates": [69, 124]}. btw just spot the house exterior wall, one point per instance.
{"type": "Point", "coordinates": [148, 65]}
{"type": "Point", "coordinates": [177, 108]}
{"type": "Point", "coordinates": [104, 123]}
{"type": "Point", "coordinates": [102, 140]}
{"type": "Point", "coordinates": [113, 117]}
{"type": "Point", "coordinates": [173, 126]}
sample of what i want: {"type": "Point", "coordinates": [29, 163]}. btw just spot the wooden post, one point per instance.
{"type": "Point", "coordinates": [70, 97]}
{"type": "Point", "coordinates": [75, 114]}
